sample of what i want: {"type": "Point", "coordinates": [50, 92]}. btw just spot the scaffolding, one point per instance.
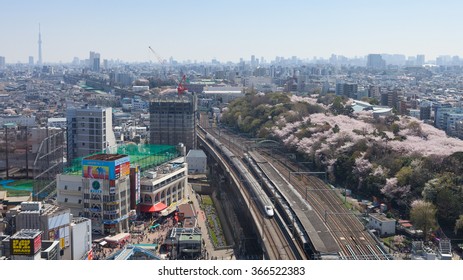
{"type": "Point", "coordinates": [47, 164]}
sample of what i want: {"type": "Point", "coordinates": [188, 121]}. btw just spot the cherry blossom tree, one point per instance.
{"type": "Point", "coordinates": [396, 193]}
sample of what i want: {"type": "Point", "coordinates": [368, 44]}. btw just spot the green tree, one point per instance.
{"type": "Point", "coordinates": [423, 216]}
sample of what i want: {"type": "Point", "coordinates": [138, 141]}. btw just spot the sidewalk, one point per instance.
{"type": "Point", "coordinates": [211, 253]}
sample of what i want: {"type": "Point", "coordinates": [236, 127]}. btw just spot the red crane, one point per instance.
{"type": "Point", "coordinates": [181, 88]}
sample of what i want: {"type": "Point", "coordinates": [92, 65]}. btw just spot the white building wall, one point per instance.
{"type": "Point", "coordinates": [384, 226]}
{"type": "Point", "coordinates": [81, 238]}
{"type": "Point", "coordinates": [196, 164]}
{"type": "Point", "coordinates": [70, 193]}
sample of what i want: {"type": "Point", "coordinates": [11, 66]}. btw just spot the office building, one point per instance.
{"type": "Point", "coordinates": [164, 189]}
{"type": "Point", "coordinates": [2, 62]}
{"type": "Point", "coordinates": [172, 121]}
{"type": "Point", "coordinates": [106, 189]}
{"type": "Point", "coordinates": [31, 60]}
{"type": "Point", "coordinates": [26, 245]}
{"type": "Point", "coordinates": [53, 221]}
{"type": "Point", "coordinates": [347, 89]}
{"type": "Point", "coordinates": [442, 112]}
{"type": "Point", "coordinates": [375, 61]}
{"type": "Point", "coordinates": [420, 60]}
{"type": "Point", "coordinates": [89, 131]}
{"type": "Point", "coordinates": [101, 193]}
{"type": "Point", "coordinates": [94, 61]}
{"type": "Point", "coordinates": [425, 111]}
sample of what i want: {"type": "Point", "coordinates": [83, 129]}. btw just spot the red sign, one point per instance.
{"type": "Point", "coordinates": [37, 243]}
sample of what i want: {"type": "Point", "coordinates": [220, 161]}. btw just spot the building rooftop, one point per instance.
{"type": "Point", "coordinates": [26, 234]}
{"type": "Point", "coordinates": [144, 155]}
{"type": "Point", "coordinates": [78, 220]}
{"type": "Point", "coordinates": [196, 154]}
{"type": "Point", "coordinates": [381, 217]}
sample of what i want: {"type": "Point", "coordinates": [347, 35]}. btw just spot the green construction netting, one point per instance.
{"type": "Point", "coordinates": [144, 155]}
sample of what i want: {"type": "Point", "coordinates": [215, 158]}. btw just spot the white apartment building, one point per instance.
{"type": "Point", "coordinates": [89, 131]}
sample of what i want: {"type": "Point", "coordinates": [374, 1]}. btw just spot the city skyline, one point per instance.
{"type": "Point", "coordinates": [228, 31]}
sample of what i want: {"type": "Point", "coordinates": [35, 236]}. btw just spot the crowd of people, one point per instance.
{"type": "Point", "coordinates": [143, 233]}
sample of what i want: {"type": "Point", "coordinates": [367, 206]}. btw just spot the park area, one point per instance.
{"type": "Point", "coordinates": [213, 222]}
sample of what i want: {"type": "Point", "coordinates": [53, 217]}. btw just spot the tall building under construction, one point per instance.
{"type": "Point", "coordinates": [172, 121]}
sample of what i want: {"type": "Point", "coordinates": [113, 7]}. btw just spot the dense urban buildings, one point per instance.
{"type": "Point", "coordinates": [130, 152]}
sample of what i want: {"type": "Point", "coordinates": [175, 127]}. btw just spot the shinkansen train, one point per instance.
{"type": "Point", "coordinates": [256, 190]}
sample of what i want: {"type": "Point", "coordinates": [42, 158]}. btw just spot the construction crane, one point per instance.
{"type": "Point", "coordinates": [181, 88]}
{"type": "Point", "coordinates": [159, 58]}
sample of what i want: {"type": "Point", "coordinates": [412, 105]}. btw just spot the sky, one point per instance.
{"type": "Point", "coordinates": [202, 30]}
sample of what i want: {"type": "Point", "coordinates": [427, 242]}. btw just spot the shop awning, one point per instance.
{"type": "Point", "coordinates": [158, 207]}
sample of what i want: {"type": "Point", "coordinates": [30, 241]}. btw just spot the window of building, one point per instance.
{"type": "Point", "coordinates": [65, 187]}
{"type": "Point", "coordinates": [79, 189]}
{"type": "Point", "coordinates": [65, 200]}
{"type": "Point", "coordinates": [80, 201]}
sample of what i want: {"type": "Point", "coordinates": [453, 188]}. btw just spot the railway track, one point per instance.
{"type": "Point", "coordinates": [354, 241]}
{"type": "Point", "coordinates": [350, 234]}
{"type": "Point", "coordinates": [273, 238]}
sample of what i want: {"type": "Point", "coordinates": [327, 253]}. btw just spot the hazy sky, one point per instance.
{"type": "Point", "coordinates": [227, 30]}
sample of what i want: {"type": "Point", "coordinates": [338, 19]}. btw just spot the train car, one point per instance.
{"type": "Point", "coordinates": [260, 196]}
{"type": "Point", "coordinates": [269, 210]}
{"type": "Point", "coordinates": [262, 199]}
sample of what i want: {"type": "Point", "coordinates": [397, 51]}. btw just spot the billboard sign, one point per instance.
{"type": "Point", "coordinates": [137, 185]}
{"type": "Point", "coordinates": [97, 172]}
{"type": "Point", "coordinates": [25, 246]}
{"type": "Point", "coordinates": [107, 170]}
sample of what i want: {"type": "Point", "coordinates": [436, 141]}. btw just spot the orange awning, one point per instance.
{"type": "Point", "coordinates": [158, 207]}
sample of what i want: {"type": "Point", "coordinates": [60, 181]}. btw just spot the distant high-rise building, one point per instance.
{"type": "Point", "coordinates": [375, 61]}
{"type": "Point", "coordinates": [94, 61]}
{"type": "Point", "coordinates": [96, 64]}
{"type": "Point", "coordinates": [443, 60]}
{"type": "Point", "coordinates": [347, 89]}
{"type": "Point", "coordinates": [39, 62]}
{"type": "Point", "coordinates": [2, 62]}
{"type": "Point", "coordinates": [253, 61]}
{"type": "Point", "coordinates": [89, 130]}
{"type": "Point", "coordinates": [172, 121]}
{"type": "Point", "coordinates": [420, 60]}
{"type": "Point", "coordinates": [31, 60]}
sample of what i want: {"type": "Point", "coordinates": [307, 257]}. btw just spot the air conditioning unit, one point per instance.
{"type": "Point", "coordinates": [151, 174]}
